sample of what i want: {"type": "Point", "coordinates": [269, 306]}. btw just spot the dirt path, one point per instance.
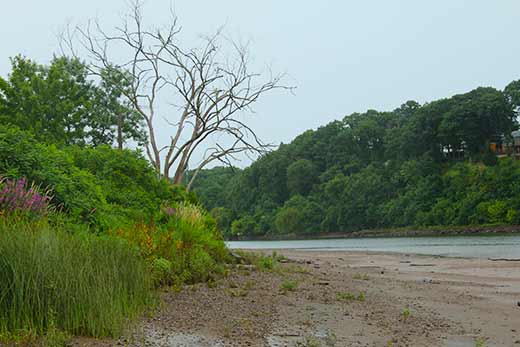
{"type": "Point", "coordinates": [344, 299]}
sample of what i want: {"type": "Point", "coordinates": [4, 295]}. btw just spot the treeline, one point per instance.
{"type": "Point", "coordinates": [418, 165]}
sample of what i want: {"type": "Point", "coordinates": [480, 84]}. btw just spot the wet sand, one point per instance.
{"type": "Point", "coordinates": [344, 299]}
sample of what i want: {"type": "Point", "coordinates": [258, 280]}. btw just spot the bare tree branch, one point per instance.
{"type": "Point", "coordinates": [214, 86]}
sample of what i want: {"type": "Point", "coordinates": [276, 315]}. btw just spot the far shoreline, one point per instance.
{"type": "Point", "coordinates": [493, 230]}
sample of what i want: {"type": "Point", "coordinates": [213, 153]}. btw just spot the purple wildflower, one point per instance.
{"type": "Point", "coordinates": [17, 197]}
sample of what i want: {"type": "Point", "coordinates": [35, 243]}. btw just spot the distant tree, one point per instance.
{"type": "Point", "coordinates": [244, 226]}
{"type": "Point", "coordinates": [301, 176]}
{"type": "Point", "coordinates": [475, 119]}
{"type": "Point", "coordinates": [224, 218]}
{"type": "Point", "coordinates": [298, 216]}
{"type": "Point", "coordinates": [512, 93]}
{"type": "Point", "coordinates": [417, 165]}
{"type": "Point", "coordinates": [289, 220]}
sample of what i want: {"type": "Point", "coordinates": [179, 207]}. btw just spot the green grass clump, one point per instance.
{"type": "Point", "coordinates": [480, 342]}
{"type": "Point", "coordinates": [406, 313]}
{"type": "Point", "coordinates": [348, 296]}
{"type": "Point", "coordinates": [53, 281]}
{"type": "Point", "coordinates": [288, 286]}
{"type": "Point", "coordinates": [360, 276]}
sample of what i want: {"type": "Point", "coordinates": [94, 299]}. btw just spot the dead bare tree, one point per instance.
{"type": "Point", "coordinates": [208, 88]}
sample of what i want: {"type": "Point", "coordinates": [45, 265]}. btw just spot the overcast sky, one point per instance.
{"type": "Point", "coordinates": [344, 56]}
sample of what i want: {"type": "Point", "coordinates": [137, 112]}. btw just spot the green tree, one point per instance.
{"type": "Point", "coordinates": [60, 104]}
{"type": "Point", "coordinates": [301, 176]}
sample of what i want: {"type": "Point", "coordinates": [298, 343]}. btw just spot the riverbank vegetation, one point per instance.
{"type": "Point", "coordinates": [93, 214]}
{"type": "Point", "coordinates": [84, 245]}
{"type": "Point", "coordinates": [87, 231]}
{"type": "Point", "coordinates": [420, 165]}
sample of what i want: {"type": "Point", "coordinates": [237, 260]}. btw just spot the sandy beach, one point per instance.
{"type": "Point", "coordinates": [344, 299]}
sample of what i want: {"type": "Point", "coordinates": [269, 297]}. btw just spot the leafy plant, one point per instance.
{"type": "Point", "coordinates": [406, 313]}
{"type": "Point", "coordinates": [480, 342]}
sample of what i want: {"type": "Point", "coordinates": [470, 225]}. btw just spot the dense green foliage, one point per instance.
{"type": "Point", "coordinates": [60, 104]}
{"type": "Point", "coordinates": [419, 165]}
{"type": "Point", "coordinates": [87, 231]}
{"type": "Point", "coordinates": [102, 187]}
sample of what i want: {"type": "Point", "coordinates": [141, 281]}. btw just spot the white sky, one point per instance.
{"type": "Point", "coordinates": [344, 56]}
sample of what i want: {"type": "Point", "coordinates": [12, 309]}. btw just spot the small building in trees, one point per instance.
{"type": "Point", "coordinates": [507, 146]}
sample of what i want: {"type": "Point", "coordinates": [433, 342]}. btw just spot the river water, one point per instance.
{"type": "Point", "coordinates": [482, 246]}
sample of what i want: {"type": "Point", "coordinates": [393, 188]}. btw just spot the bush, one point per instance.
{"type": "Point", "coordinates": [80, 284]}
{"type": "Point", "coordinates": [187, 237]}
{"type": "Point", "coordinates": [102, 187]}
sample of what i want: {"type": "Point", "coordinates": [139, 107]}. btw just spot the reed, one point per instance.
{"type": "Point", "coordinates": [79, 283]}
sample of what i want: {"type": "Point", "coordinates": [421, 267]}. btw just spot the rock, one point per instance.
{"type": "Point", "coordinates": [238, 258]}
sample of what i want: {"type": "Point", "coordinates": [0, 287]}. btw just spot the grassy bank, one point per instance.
{"type": "Point", "coordinates": [81, 284]}
{"type": "Point", "coordinates": [59, 278]}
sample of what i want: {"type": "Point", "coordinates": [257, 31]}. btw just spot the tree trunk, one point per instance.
{"type": "Point", "coordinates": [120, 132]}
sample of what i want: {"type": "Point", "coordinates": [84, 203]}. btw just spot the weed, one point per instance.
{"type": "Point", "coordinates": [331, 339]}
{"type": "Point", "coordinates": [55, 338]}
{"type": "Point", "coordinates": [248, 285]}
{"type": "Point", "coordinates": [293, 268]}
{"type": "Point", "coordinates": [309, 342]}
{"type": "Point", "coordinates": [260, 261]}
{"type": "Point", "coordinates": [348, 296]}
{"type": "Point", "coordinates": [480, 342]}
{"type": "Point", "coordinates": [238, 292]}
{"type": "Point", "coordinates": [359, 276]}
{"type": "Point", "coordinates": [227, 329]}
{"type": "Point", "coordinates": [288, 286]}
{"type": "Point", "coordinates": [211, 283]}
{"type": "Point", "coordinates": [406, 313]}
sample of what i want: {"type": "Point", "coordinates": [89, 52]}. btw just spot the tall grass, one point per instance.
{"type": "Point", "coordinates": [81, 284]}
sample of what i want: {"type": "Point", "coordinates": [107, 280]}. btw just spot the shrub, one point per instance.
{"type": "Point", "coordinates": [187, 237]}
{"type": "Point", "coordinates": [80, 284]}
{"type": "Point", "coordinates": [162, 271]}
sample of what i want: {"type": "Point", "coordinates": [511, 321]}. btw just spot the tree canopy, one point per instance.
{"type": "Point", "coordinates": [61, 104]}
{"type": "Point", "coordinates": [417, 165]}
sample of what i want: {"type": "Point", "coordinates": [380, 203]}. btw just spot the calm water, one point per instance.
{"type": "Point", "coordinates": [504, 246]}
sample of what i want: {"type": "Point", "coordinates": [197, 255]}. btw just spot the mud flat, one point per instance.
{"type": "Point", "coordinates": [344, 299]}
